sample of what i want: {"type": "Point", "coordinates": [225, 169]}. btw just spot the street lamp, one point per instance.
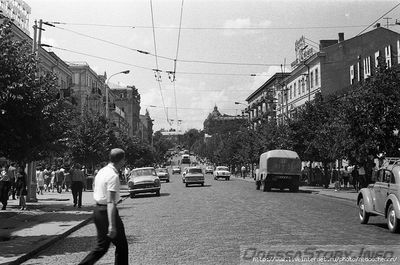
{"type": "Point", "coordinates": [107, 89]}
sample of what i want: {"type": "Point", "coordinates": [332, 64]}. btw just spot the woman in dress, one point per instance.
{"type": "Point", "coordinates": [21, 187]}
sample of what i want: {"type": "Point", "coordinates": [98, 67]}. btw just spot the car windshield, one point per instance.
{"type": "Point", "coordinates": [143, 172]}
{"type": "Point", "coordinates": [195, 170]}
{"type": "Point", "coordinates": [222, 168]}
{"type": "Point", "coordinates": [164, 170]}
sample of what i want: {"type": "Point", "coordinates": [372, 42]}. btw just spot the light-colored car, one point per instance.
{"type": "Point", "coordinates": [163, 174]}
{"type": "Point", "coordinates": [144, 180]}
{"type": "Point", "coordinates": [383, 197]}
{"type": "Point", "coordinates": [222, 172]}
{"type": "Point", "coordinates": [193, 175]}
{"type": "Point", "coordinates": [176, 170]}
{"type": "Point", "coordinates": [209, 170]}
{"type": "Point", "coordinates": [184, 173]}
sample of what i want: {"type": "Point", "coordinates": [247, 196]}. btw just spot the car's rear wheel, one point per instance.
{"type": "Point", "coordinates": [362, 213]}
{"type": "Point", "coordinates": [392, 221]}
{"type": "Point", "coordinates": [202, 184]}
{"type": "Point", "coordinates": [158, 193]}
{"type": "Point", "coordinates": [266, 186]}
{"type": "Point", "coordinates": [258, 185]}
{"type": "Point", "coordinates": [132, 195]}
{"type": "Point", "coordinates": [187, 185]}
{"type": "Point", "coordinates": [167, 180]}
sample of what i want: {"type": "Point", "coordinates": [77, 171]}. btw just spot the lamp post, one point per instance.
{"type": "Point", "coordinates": [107, 89]}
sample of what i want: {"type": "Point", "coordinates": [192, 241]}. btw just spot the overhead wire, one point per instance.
{"type": "Point", "coordinates": [176, 58]}
{"type": "Point", "coordinates": [373, 23]}
{"type": "Point", "coordinates": [157, 70]}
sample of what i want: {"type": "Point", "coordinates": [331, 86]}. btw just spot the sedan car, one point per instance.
{"type": "Point", "coordinates": [222, 172]}
{"type": "Point", "coordinates": [144, 180]}
{"type": "Point", "coordinates": [176, 170]}
{"type": "Point", "coordinates": [209, 170]}
{"type": "Point", "coordinates": [163, 174]}
{"type": "Point", "coordinates": [383, 197]}
{"type": "Point", "coordinates": [193, 175]}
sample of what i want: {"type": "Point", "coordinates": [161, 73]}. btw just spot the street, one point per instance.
{"type": "Point", "coordinates": [207, 225]}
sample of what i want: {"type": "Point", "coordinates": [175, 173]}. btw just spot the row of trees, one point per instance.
{"type": "Point", "coordinates": [36, 124]}
{"type": "Point", "coordinates": [358, 125]}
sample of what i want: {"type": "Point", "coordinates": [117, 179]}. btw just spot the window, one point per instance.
{"type": "Point", "coordinates": [316, 77]}
{"type": "Point", "coordinates": [367, 67]}
{"type": "Point", "coordinates": [352, 74]}
{"type": "Point", "coordinates": [302, 85]}
{"type": "Point", "coordinates": [294, 89]}
{"type": "Point", "coordinates": [376, 58]}
{"type": "Point", "coordinates": [312, 79]}
{"type": "Point", "coordinates": [398, 52]}
{"type": "Point", "coordinates": [299, 87]}
{"type": "Point", "coordinates": [290, 92]}
{"type": "Point", "coordinates": [388, 56]}
{"type": "Point", "coordinates": [358, 72]}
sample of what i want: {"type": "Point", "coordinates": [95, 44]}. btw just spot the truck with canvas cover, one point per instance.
{"type": "Point", "coordinates": [279, 169]}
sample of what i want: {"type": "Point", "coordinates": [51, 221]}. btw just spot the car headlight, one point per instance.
{"type": "Point", "coordinates": [156, 182]}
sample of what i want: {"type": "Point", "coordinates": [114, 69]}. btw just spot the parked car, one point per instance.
{"type": "Point", "coordinates": [383, 197]}
{"type": "Point", "coordinates": [279, 169]}
{"type": "Point", "coordinates": [222, 172]}
{"type": "Point", "coordinates": [209, 170]}
{"type": "Point", "coordinates": [193, 175]}
{"type": "Point", "coordinates": [163, 174]}
{"type": "Point", "coordinates": [144, 180]}
{"type": "Point", "coordinates": [184, 173]}
{"type": "Point", "coordinates": [176, 170]}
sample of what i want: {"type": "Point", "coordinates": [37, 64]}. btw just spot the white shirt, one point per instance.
{"type": "Point", "coordinates": [107, 179]}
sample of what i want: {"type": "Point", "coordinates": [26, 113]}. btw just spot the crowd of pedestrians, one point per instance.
{"type": "Point", "coordinates": [13, 182]}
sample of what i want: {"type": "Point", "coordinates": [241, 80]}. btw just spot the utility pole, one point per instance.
{"type": "Point", "coordinates": [387, 21]}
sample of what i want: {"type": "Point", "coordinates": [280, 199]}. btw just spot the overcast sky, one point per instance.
{"type": "Point", "coordinates": [249, 36]}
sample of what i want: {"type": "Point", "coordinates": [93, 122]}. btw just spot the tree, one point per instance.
{"type": "Point", "coordinates": [33, 120]}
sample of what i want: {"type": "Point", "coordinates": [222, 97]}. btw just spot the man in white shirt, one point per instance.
{"type": "Point", "coordinates": [106, 218]}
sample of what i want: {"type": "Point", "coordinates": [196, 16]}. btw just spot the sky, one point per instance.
{"type": "Point", "coordinates": [224, 50]}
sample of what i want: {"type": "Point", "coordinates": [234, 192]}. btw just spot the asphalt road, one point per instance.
{"type": "Point", "coordinates": [208, 225]}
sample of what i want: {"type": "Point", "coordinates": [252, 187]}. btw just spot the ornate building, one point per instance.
{"type": "Point", "coordinates": [222, 123]}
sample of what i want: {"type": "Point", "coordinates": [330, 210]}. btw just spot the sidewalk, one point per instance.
{"type": "Point", "coordinates": [346, 194]}
{"type": "Point", "coordinates": [25, 233]}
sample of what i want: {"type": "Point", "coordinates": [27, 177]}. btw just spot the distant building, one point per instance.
{"type": "Point", "coordinates": [222, 123]}
{"type": "Point", "coordinates": [128, 100]}
{"type": "Point", "coordinates": [18, 11]}
{"type": "Point", "coordinates": [145, 131]}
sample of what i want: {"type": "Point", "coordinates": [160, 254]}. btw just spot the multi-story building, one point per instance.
{"type": "Point", "coordinates": [18, 11]}
{"type": "Point", "coordinates": [145, 131]}
{"type": "Point", "coordinates": [221, 123]}
{"type": "Point", "coordinates": [88, 88]}
{"type": "Point", "coordinates": [261, 103]}
{"type": "Point", "coordinates": [337, 65]}
{"type": "Point", "coordinates": [128, 100]}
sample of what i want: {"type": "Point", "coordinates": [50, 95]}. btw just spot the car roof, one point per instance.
{"type": "Point", "coordinates": [141, 168]}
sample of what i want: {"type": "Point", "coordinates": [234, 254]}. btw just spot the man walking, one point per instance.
{"type": "Point", "coordinates": [108, 223]}
{"type": "Point", "coordinates": [4, 187]}
{"type": "Point", "coordinates": [77, 182]}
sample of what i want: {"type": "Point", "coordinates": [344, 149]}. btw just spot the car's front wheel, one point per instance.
{"type": "Point", "coordinates": [132, 195]}
{"type": "Point", "coordinates": [167, 180]}
{"type": "Point", "coordinates": [158, 193]}
{"type": "Point", "coordinates": [362, 213]}
{"type": "Point", "coordinates": [393, 221]}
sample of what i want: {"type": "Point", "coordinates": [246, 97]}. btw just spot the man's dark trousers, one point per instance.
{"type": "Point", "coordinates": [103, 241]}
{"type": "Point", "coordinates": [77, 187]}
{"type": "Point", "coordinates": [4, 189]}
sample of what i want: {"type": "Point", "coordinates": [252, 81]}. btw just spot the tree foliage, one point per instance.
{"type": "Point", "coordinates": [33, 120]}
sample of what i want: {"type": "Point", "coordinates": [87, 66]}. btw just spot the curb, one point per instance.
{"type": "Point", "coordinates": [40, 248]}
{"type": "Point", "coordinates": [341, 198]}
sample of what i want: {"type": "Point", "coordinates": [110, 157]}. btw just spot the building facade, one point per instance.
{"type": "Point", "coordinates": [221, 123]}
{"type": "Point", "coordinates": [262, 102]}
{"type": "Point", "coordinates": [335, 67]}
{"type": "Point", "coordinates": [128, 100]}
{"type": "Point", "coordinates": [145, 131]}
{"type": "Point", "coordinates": [18, 11]}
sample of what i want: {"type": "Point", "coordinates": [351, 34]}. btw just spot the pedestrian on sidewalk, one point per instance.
{"type": "Point", "coordinates": [40, 180]}
{"type": "Point", "coordinates": [4, 187]}
{"type": "Point", "coordinates": [243, 171]}
{"type": "Point", "coordinates": [58, 179]}
{"type": "Point", "coordinates": [12, 171]}
{"type": "Point", "coordinates": [77, 183]}
{"type": "Point", "coordinates": [335, 178]}
{"type": "Point", "coordinates": [67, 178]}
{"type": "Point", "coordinates": [22, 190]}
{"type": "Point", "coordinates": [109, 225]}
